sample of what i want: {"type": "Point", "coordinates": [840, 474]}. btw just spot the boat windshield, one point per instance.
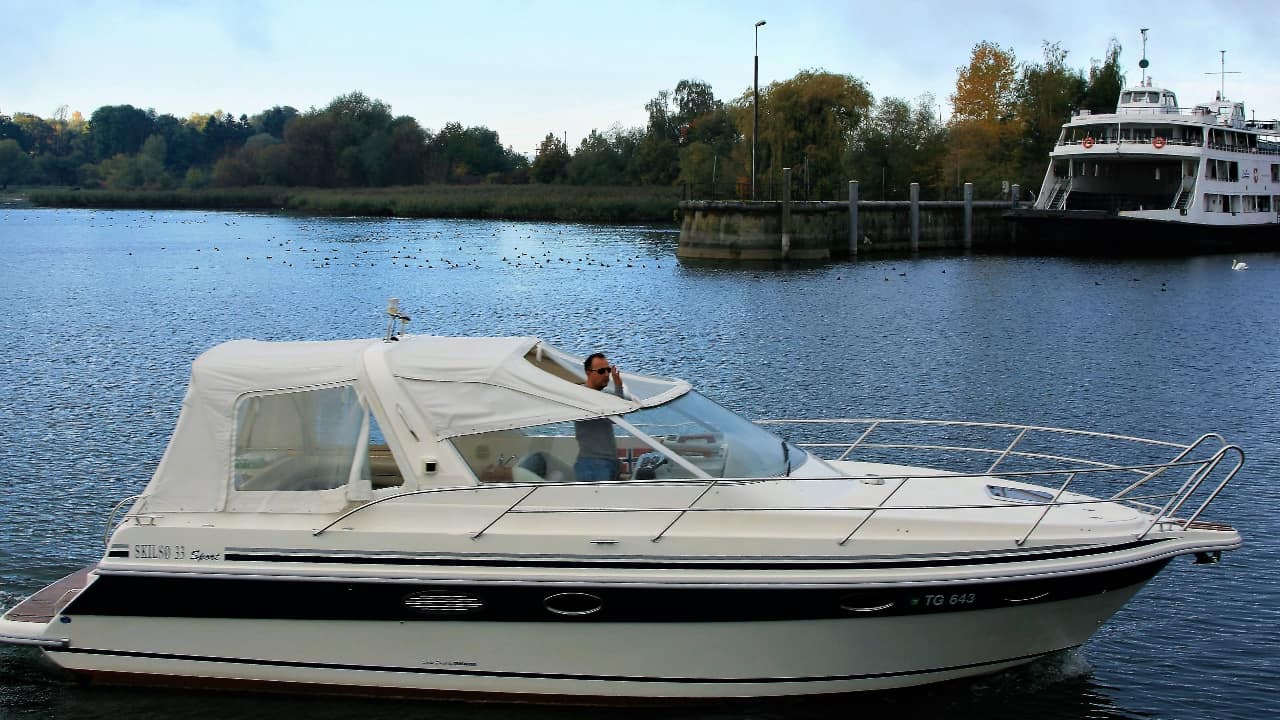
{"type": "Point", "coordinates": [719, 442]}
{"type": "Point", "coordinates": [689, 437]}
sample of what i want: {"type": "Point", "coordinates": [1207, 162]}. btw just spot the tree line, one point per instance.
{"type": "Point", "coordinates": [827, 126]}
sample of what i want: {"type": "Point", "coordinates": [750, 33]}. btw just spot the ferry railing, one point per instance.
{"type": "Point", "coordinates": [1162, 505]}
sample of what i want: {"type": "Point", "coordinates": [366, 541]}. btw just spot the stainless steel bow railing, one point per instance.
{"type": "Point", "coordinates": [1199, 471]}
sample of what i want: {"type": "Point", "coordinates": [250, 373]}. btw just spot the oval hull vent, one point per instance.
{"type": "Point", "coordinates": [433, 602]}
{"type": "Point", "coordinates": [573, 604]}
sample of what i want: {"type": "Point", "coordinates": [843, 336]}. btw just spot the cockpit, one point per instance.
{"type": "Point", "coordinates": [688, 437]}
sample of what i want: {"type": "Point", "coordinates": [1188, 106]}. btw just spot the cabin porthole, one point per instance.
{"type": "Point", "coordinates": [573, 604]}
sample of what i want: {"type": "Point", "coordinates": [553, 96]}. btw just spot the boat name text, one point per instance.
{"type": "Point", "coordinates": [172, 552]}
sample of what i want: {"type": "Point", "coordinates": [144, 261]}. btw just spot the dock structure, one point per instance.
{"type": "Point", "coordinates": [824, 230]}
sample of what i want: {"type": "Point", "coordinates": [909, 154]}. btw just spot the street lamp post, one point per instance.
{"type": "Point", "coordinates": [755, 120]}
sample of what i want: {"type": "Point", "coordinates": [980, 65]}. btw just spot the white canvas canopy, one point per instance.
{"type": "Point", "coordinates": [454, 386]}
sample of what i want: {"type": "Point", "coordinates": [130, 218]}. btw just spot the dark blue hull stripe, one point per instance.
{"type": "Point", "coordinates": [223, 597]}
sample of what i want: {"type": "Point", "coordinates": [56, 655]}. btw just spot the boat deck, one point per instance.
{"type": "Point", "coordinates": [44, 605]}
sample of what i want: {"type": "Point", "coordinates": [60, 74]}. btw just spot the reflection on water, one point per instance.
{"type": "Point", "coordinates": [104, 311]}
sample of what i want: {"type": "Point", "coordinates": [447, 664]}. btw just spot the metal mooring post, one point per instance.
{"type": "Point", "coordinates": [915, 217]}
{"type": "Point", "coordinates": [1015, 194]}
{"type": "Point", "coordinates": [853, 218]}
{"type": "Point", "coordinates": [786, 212]}
{"type": "Point", "coordinates": [968, 216]}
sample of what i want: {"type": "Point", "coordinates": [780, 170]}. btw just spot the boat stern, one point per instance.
{"type": "Point", "coordinates": [36, 620]}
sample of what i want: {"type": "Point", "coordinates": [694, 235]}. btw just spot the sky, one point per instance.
{"type": "Point", "coordinates": [529, 68]}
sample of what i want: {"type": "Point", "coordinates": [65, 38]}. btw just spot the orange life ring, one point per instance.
{"type": "Point", "coordinates": [1158, 142]}
{"type": "Point", "coordinates": [1087, 142]}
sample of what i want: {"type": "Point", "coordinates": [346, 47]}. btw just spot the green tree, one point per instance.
{"type": "Point", "coordinates": [1105, 81]}
{"type": "Point", "coordinates": [693, 99]}
{"type": "Point", "coordinates": [121, 172]}
{"type": "Point", "coordinates": [118, 130]}
{"type": "Point", "coordinates": [408, 152]}
{"type": "Point", "coordinates": [806, 122]}
{"type": "Point", "coordinates": [311, 158]}
{"type": "Point", "coordinates": [552, 161]}
{"type": "Point", "coordinates": [272, 164]}
{"type": "Point", "coordinates": [597, 161]}
{"type": "Point", "coordinates": [56, 169]}
{"type": "Point", "coordinates": [15, 165]}
{"type": "Point", "coordinates": [39, 134]}
{"type": "Point", "coordinates": [699, 168]}
{"type": "Point", "coordinates": [272, 121]}
{"type": "Point", "coordinates": [1049, 93]}
{"type": "Point", "coordinates": [9, 130]}
{"type": "Point", "coordinates": [233, 171]}
{"type": "Point", "coordinates": [897, 145]}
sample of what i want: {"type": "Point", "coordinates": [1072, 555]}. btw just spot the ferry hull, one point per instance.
{"type": "Point", "coordinates": [1100, 233]}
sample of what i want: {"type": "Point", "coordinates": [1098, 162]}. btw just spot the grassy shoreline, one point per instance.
{"type": "Point", "coordinates": [512, 202]}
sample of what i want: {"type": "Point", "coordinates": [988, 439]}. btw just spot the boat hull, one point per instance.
{"type": "Point", "coordinates": [805, 641]}
{"type": "Point", "coordinates": [1100, 233]}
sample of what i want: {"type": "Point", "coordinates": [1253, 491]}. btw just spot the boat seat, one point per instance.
{"type": "Point", "coordinates": [540, 466]}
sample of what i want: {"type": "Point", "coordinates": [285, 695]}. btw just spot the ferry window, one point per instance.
{"type": "Point", "coordinates": [297, 441]}
{"type": "Point", "coordinates": [1126, 98]}
{"type": "Point", "coordinates": [1275, 173]}
{"type": "Point", "coordinates": [1264, 203]}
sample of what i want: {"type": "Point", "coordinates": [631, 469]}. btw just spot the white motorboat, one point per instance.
{"type": "Point", "coordinates": [1155, 177]}
{"type": "Point", "coordinates": [401, 515]}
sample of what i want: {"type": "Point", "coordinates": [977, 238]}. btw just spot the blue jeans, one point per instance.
{"type": "Point", "coordinates": [589, 469]}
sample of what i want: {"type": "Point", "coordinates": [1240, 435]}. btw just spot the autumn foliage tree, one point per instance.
{"type": "Point", "coordinates": [983, 128]}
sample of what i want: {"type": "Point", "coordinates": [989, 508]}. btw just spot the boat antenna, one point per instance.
{"type": "Point", "coordinates": [1143, 63]}
{"type": "Point", "coordinates": [394, 314]}
{"type": "Point", "coordinates": [1222, 76]}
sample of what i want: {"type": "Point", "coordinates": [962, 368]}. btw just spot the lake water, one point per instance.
{"type": "Point", "coordinates": [101, 314]}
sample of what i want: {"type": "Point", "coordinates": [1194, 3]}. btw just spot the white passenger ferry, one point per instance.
{"type": "Point", "coordinates": [1154, 177]}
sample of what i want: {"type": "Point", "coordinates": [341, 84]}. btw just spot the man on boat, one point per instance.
{"type": "Point", "coordinates": [597, 446]}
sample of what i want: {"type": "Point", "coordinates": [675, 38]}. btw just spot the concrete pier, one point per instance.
{"type": "Point", "coordinates": [716, 230]}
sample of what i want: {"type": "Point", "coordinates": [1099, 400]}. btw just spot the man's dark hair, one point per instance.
{"type": "Point", "coordinates": [586, 364]}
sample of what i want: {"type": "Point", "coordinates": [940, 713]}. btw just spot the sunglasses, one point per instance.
{"type": "Point", "coordinates": [601, 371]}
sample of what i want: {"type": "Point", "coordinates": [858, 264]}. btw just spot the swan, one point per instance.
{"type": "Point", "coordinates": [1237, 265]}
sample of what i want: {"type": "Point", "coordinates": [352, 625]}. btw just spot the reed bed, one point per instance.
{"type": "Point", "coordinates": [517, 202]}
